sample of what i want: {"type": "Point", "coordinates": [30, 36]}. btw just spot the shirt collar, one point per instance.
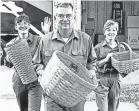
{"type": "Point", "coordinates": [57, 36]}
{"type": "Point", "coordinates": [75, 34]}
{"type": "Point", "coordinates": [104, 42]}
{"type": "Point", "coordinates": [30, 38]}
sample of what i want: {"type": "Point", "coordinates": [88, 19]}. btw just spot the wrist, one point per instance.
{"type": "Point", "coordinates": [45, 32]}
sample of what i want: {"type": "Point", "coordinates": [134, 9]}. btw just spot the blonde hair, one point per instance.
{"type": "Point", "coordinates": [110, 23]}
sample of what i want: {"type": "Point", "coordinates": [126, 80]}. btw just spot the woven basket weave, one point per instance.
{"type": "Point", "coordinates": [20, 56]}
{"type": "Point", "coordinates": [126, 61]}
{"type": "Point", "coordinates": [66, 81]}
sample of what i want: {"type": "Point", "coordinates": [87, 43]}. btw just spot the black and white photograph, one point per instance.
{"type": "Point", "coordinates": [69, 55]}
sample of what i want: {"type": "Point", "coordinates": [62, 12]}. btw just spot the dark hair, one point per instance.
{"type": "Point", "coordinates": [21, 18]}
{"type": "Point", "coordinates": [64, 5]}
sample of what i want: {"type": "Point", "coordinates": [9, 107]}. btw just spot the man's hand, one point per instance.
{"type": "Point", "coordinates": [46, 25]}
{"type": "Point", "coordinates": [92, 73]}
{"type": "Point", "coordinates": [40, 73]}
{"type": "Point", "coordinates": [10, 43]}
{"type": "Point", "coordinates": [93, 78]}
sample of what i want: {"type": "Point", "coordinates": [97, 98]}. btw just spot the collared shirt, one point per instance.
{"type": "Point", "coordinates": [33, 42]}
{"type": "Point", "coordinates": [102, 49]}
{"type": "Point", "coordinates": [78, 46]}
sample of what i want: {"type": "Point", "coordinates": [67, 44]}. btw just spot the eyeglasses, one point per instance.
{"type": "Point", "coordinates": [68, 16]}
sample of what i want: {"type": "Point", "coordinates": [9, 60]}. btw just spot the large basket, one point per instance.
{"type": "Point", "coordinates": [20, 56]}
{"type": "Point", "coordinates": [125, 61]}
{"type": "Point", "coordinates": [66, 81]}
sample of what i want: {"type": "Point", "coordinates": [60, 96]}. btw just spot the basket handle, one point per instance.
{"type": "Point", "coordinates": [129, 48]}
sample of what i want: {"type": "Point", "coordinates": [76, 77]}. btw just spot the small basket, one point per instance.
{"type": "Point", "coordinates": [125, 61]}
{"type": "Point", "coordinates": [66, 81]}
{"type": "Point", "coordinates": [21, 58]}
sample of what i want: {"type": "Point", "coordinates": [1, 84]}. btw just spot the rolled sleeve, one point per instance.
{"type": "Point", "coordinates": [97, 50]}
{"type": "Point", "coordinates": [92, 57]}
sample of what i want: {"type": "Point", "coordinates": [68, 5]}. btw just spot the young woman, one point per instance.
{"type": "Point", "coordinates": [108, 90]}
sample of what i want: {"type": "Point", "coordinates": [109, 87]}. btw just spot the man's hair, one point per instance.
{"type": "Point", "coordinates": [64, 5]}
{"type": "Point", "coordinates": [110, 23]}
{"type": "Point", "coordinates": [21, 18]}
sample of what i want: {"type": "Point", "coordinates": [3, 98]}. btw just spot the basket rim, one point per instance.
{"type": "Point", "coordinates": [116, 53]}
{"type": "Point", "coordinates": [16, 42]}
{"type": "Point", "coordinates": [124, 60]}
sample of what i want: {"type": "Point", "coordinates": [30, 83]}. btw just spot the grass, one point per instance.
{"type": "Point", "coordinates": [130, 93]}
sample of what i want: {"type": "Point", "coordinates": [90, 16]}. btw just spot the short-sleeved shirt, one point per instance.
{"type": "Point", "coordinates": [33, 42]}
{"type": "Point", "coordinates": [78, 46]}
{"type": "Point", "coordinates": [102, 49]}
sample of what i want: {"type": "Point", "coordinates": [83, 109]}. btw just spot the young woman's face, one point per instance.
{"type": "Point", "coordinates": [111, 33]}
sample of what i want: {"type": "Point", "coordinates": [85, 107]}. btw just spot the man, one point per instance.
{"type": "Point", "coordinates": [2, 52]}
{"type": "Point", "coordinates": [75, 43]}
{"type": "Point", "coordinates": [28, 95]}
{"type": "Point", "coordinates": [108, 90]}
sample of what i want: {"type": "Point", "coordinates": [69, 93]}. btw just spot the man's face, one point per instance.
{"type": "Point", "coordinates": [22, 27]}
{"type": "Point", "coordinates": [111, 33]}
{"type": "Point", "coordinates": [64, 17]}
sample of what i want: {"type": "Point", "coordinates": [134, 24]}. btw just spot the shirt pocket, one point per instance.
{"type": "Point", "coordinates": [80, 55]}
{"type": "Point", "coordinates": [103, 53]}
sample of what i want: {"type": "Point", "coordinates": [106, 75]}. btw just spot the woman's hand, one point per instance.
{"type": "Point", "coordinates": [108, 57]}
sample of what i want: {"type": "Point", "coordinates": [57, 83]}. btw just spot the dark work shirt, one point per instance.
{"type": "Point", "coordinates": [78, 46]}
{"type": "Point", "coordinates": [102, 49]}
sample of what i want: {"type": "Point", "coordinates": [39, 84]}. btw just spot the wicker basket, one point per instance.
{"type": "Point", "coordinates": [21, 58]}
{"type": "Point", "coordinates": [66, 81]}
{"type": "Point", "coordinates": [125, 61]}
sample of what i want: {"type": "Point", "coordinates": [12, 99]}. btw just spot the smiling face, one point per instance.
{"type": "Point", "coordinates": [111, 33]}
{"type": "Point", "coordinates": [110, 30]}
{"type": "Point", "coordinates": [64, 17]}
{"type": "Point", "coordinates": [22, 27]}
